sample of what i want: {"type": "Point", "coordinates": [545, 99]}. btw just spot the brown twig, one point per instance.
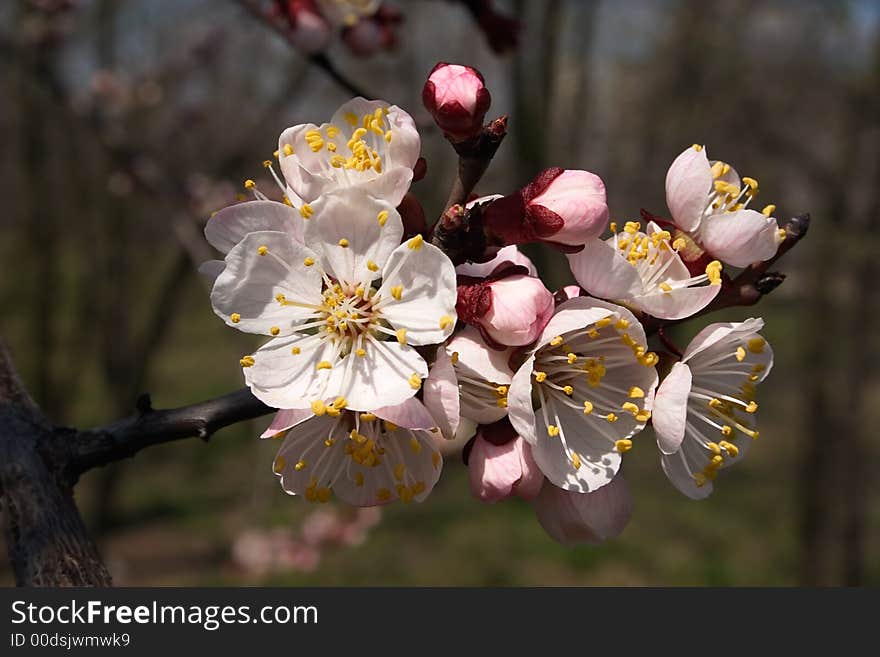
{"type": "Point", "coordinates": [123, 439]}
{"type": "Point", "coordinates": [255, 9]}
{"type": "Point", "coordinates": [752, 283]}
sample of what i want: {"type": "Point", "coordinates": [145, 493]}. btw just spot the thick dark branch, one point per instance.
{"type": "Point", "coordinates": [255, 9]}
{"type": "Point", "coordinates": [45, 536]}
{"type": "Point", "coordinates": [96, 447]}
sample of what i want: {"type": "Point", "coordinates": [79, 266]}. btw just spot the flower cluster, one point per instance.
{"type": "Point", "coordinates": [368, 27]}
{"type": "Point", "coordinates": [382, 352]}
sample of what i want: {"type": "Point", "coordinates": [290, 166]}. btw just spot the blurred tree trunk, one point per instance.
{"type": "Point", "coordinates": [835, 483]}
{"type": "Point", "coordinates": [41, 228]}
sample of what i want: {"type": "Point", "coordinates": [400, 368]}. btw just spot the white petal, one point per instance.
{"type": "Point", "coordinates": [603, 272]}
{"type": "Point", "coordinates": [441, 394]}
{"type": "Point", "coordinates": [250, 284]}
{"type": "Point", "coordinates": [305, 459]}
{"type": "Point", "coordinates": [688, 183]}
{"type": "Point", "coordinates": [678, 303]}
{"type": "Point", "coordinates": [670, 408]}
{"type": "Point", "coordinates": [426, 308]}
{"type": "Point", "coordinates": [308, 174]}
{"type": "Point", "coordinates": [369, 486]}
{"type": "Point", "coordinates": [380, 378]}
{"type": "Point", "coordinates": [350, 217]}
{"type": "Point", "coordinates": [519, 402]}
{"type": "Point", "coordinates": [229, 226]}
{"type": "Point", "coordinates": [720, 331]}
{"type": "Point", "coordinates": [578, 313]}
{"type": "Point", "coordinates": [410, 414]}
{"type": "Point", "coordinates": [740, 238]}
{"type": "Point", "coordinates": [599, 459]}
{"type": "Point", "coordinates": [678, 472]}
{"type": "Point", "coordinates": [478, 359]}
{"type": "Point", "coordinates": [282, 379]}
{"type": "Point", "coordinates": [508, 254]}
{"type": "Point", "coordinates": [211, 269]}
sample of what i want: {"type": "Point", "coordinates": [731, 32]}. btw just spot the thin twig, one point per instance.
{"type": "Point", "coordinates": [752, 283]}
{"type": "Point", "coordinates": [96, 447]}
{"type": "Point", "coordinates": [255, 9]}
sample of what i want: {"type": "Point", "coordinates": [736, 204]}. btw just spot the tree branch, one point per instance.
{"type": "Point", "coordinates": [752, 283]}
{"type": "Point", "coordinates": [255, 9]}
{"type": "Point", "coordinates": [123, 439]}
{"type": "Point", "coordinates": [45, 535]}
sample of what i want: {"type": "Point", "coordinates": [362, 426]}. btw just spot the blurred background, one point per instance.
{"type": "Point", "coordinates": [125, 123]}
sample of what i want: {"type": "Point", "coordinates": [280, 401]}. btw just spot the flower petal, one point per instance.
{"type": "Point", "coordinates": [477, 359]}
{"type": "Point", "coordinates": [678, 303]}
{"type": "Point", "coordinates": [586, 436]}
{"type": "Point", "coordinates": [688, 183]}
{"type": "Point", "coordinates": [410, 414]}
{"type": "Point", "coordinates": [740, 238]}
{"type": "Point", "coordinates": [578, 312]}
{"type": "Point", "coordinates": [285, 419]}
{"type": "Point", "coordinates": [508, 254]}
{"type": "Point", "coordinates": [715, 333]}
{"type": "Point", "coordinates": [307, 173]}
{"type": "Point", "coordinates": [426, 308]}
{"type": "Point", "coordinates": [670, 408]}
{"type": "Point", "coordinates": [422, 463]}
{"type": "Point", "coordinates": [211, 269]}
{"type": "Point", "coordinates": [519, 402]}
{"type": "Point", "coordinates": [246, 294]}
{"type": "Point", "coordinates": [284, 379]}
{"type": "Point", "coordinates": [354, 234]}
{"type": "Point", "coordinates": [230, 225]}
{"type": "Point", "coordinates": [603, 272]}
{"type": "Point", "coordinates": [384, 376]}
{"type": "Point", "coordinates": [441, 394]}
{"type": "Point", "coordinates": [681, 475]}
{"type": "Point", "coordinates": [591, 518]}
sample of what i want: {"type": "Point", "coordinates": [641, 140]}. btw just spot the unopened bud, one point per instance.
{"type": "Point", "coordinates": [457, 98]}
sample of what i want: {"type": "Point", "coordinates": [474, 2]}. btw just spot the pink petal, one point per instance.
{"type": "Point", "coordinates": [678, 303]}
{"type": "Point", "coordinates": [740, 238]}
{"type": "Point", "coordinates": [411, 414]}
{"type": "Point", "coordinates": [670, 408]}
{"type": "Point", "coordinates": [441, 394]}
{"type": "Point", "coordinates": [284, 420]}
{"type": "Point", "coordinates": [572, 518]}
{"type": "Point", "coordinates": [603, 272]}
{"type": "Point", "coordinates": [688, 183]}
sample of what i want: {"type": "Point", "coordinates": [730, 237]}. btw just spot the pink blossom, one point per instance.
{"type": "Point", "coordinates": [498, 471]}
{"type": "Point", "coordinates": [572, 517]}
{"type": "Point", "coordinates": [309, 30]}
{"type": "Point", "coordinates": [563, 207]}
{"type": "Point", "coordinates": [457, 98]}
{"type": "Point", "coordinates": [509, 307]}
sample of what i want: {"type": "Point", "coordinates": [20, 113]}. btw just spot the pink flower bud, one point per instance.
{"type": "Point", "coordinates": [509, 307]}
{"type": "Point", "coordinates": [309, 30]}
{"type": "Point", "coordinates": [457, 98]}
{"type": "Point", "coordinates": [500, 471]}
{"type": "Point", "coordinates": [563, 207]}
{"type": "Point", "coordinates": [571, 517]}
{"type": "Point", "coordinates": [373, 33]}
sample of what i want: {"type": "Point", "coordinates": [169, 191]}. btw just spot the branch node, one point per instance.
{"type": "Point", "coordinates": [144, 404]}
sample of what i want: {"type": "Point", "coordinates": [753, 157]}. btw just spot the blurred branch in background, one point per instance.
{"type": "Point", "coordinates": [122, 156]}
{"type": "Point", "coordinates": [256, 9]}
